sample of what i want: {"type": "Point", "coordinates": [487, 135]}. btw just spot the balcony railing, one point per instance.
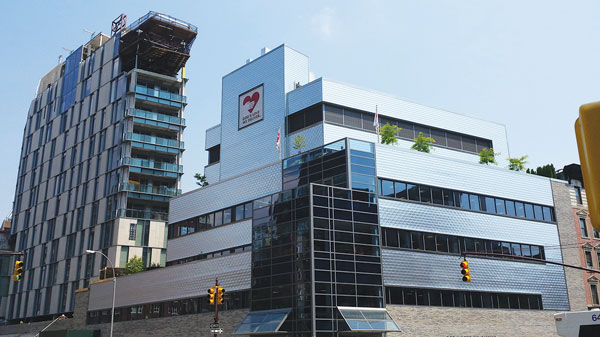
{"type": "Point", "coordinates": [153, 164]}
{"type": "Point", "coordinates": [140, 89]}
{"type": "Point", "coordinates": [150, 189]}
{"type": "Point", "coordinates": [155, 116]}
{"type": "Point", "coordinates": [154, 140]}
{"type": "Point", "coordinates": [143, 214]}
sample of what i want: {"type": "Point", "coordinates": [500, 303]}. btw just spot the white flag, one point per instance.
{"type": "Point", "coordinates": [278, 144]}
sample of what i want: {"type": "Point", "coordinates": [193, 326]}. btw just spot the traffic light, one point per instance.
{"type": "Point", "coordinates": [211, 296]}
{"type": "Point", "coordinates": [465, 271]}
{"type": "Point", "coordinates": [588, 144]}
{"type": "Point", "coordinates": [18, 272]}
{"type": "Point", "coordinates": [220, 294]}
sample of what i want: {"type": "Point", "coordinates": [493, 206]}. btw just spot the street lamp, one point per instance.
{"type": "Point", "coordinates": [112, 316]}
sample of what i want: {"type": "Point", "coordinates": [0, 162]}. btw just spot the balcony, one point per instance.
{"type": "Point", "coordinates": [153, 164]}
{"type": "Point", "coordinates": [158, 118]}
{"type": "Point", "coordinates": [142, 214]}
{"type": "Point", "coordinates": [159, 96]}
{"type": "Point", "coordinates": [154, 140]}
{"type": "Point", "coordinates": [150, 189]}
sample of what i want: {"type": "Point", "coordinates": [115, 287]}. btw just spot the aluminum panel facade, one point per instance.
{"type": "Point", "coordinates": [439, 219]}
{"type": "Point", "coordinates": [305, 96]}
{"type": "Point", "coordinates": [440, 271]}
{"type": "Point", "coordinates": [388, 105]}
{"type": "Point", "coordinates": [312, 136]}
{"type": "Point", "coordinates": [159, 285]}
{"type": "Point", "coordinates": [260, 182]}
{"type": "Point", "coordinates": [253, 146]}
{"type": "Point", "coordinates": [227, 236]}
{"type": "Point", "coordinates": [213, 137]}
{"type": "Point", "coordinates": [431, 169]}
{"type": "Point", "coordinates": [212, 173]}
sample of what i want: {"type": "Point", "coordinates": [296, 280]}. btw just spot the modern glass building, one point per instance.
{"type": "Point", "coordinates": [100, 159]}
{"type": "Point", "coordinates": [337, 236]}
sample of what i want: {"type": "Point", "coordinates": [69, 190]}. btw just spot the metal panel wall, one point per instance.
{"type": "Point", "coordinates": [388, 105]}
{"type": "Point", "coordinates": [253, 146]}
{"type": "Point", "coordinates": [159, 285]}
{"type": "Point", "coordinates": [305, 96]}
{"type": "Point", "coordinates": [429, 168]}
{"type": "Point", "coordinates": [312, 136]}
{"type": "Point", "coordinates": [439, 219]}
{"type": "Point", "coordinates": [440, 271]}
{"type": "Point", "coordinates": [213, 137]}
{"type": "Point", "coordinates": [212, 173]}
{"type": "Point", "coordinates": [250, 186]}
{"type": "Point", "coordinates": [227, 236]}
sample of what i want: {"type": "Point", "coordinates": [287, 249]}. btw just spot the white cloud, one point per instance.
{"type": "Point", "coordinates": [324, 22]}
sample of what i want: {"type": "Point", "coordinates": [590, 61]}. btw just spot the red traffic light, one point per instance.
{"type": "Point", "coordinates": [466, 272]}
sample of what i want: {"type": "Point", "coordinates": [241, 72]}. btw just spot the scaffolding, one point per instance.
{"type": "Point", "coordinates": [158, 43]}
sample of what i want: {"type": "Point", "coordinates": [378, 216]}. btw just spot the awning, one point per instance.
{"type": "Point", "coordinates": [263, 322]}
{"type": "Point", "coordinates": [368, 319]}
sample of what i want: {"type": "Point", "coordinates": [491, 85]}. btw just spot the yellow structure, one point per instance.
{"type": "Point", "coordinates": [587, 128]}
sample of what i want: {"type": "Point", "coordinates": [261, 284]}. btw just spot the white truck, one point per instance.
{"type": "Point", "coordinates": [578, 323]}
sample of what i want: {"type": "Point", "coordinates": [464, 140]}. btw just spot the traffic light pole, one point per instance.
{"type": "Point", "coordinates": [216, 305]}
{"type": "Point", "coordinates": [525, 258]}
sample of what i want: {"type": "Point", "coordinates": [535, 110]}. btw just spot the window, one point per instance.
{"type": "Point", "coordinates": [214, 154]}
{"type": "Point", "coordinates": [583, 227]}
{"type": "Point", "coordinates": [588, 259]}
{"type": "Point", "coordinates": [578, 195]}
{"type": "Point", "coordinates": [594, 291]}
{"type": "Point", "coordinates": [305, 118]}
{"type": "Point", "coordinates": [132, 230]}
{"type": "Point", "coordinates": [596, 234]}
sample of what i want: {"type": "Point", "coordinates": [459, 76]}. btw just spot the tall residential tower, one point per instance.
{"type": "Point", "coordinates": [100, 159]}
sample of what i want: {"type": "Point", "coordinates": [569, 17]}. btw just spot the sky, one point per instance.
{"type": "Point", "coordinates": [526, 64]}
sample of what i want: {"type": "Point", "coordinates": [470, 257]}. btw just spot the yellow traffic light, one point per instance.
{"type": "Point", "coordinates": [18, 271]}
{"type": "Point", "coordinates": [211, 296]}
{"type": "Point", "coordinates": [220, 294]}
{"type": "Point", "coordinates": [466, 272]}
{"type": "Point", "coordinates": [588, 144]}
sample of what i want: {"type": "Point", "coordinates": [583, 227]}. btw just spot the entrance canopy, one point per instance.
{"type": "Point", "coordinates": [368, 319]}
{"type": "Point", "coordinates": [263, 322]}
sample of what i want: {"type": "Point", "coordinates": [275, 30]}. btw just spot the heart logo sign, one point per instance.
{"type": "Point", "coordinates": [251, 101]}
{"type": "Point", "coordinates": [250, 107]}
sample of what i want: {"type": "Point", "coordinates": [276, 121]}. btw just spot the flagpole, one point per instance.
{"type": "Point", "coordinates": [376, 122]}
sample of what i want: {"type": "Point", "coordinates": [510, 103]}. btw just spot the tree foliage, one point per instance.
{"type": "Point", "coordinates": [201, 179]}
{"type": "Point", "coordinates": [299, 143]}
{"type": "Point", "coordinates": [517, 164]}
{"type": "Point", "coordinates": [547, 170]}
{"type": "Point", "coordinates": [135, 265]}
{"type": "Point", "coordinates": [388, 134]}
{"type": "Point", "coordinates": [488, 156]}
{"type": "Point", "coordinates": [422, 143]}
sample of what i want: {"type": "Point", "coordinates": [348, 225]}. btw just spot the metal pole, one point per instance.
{"type": "Point", "coordinates": [112, 316]}
{"type": "Point", "coordinates": [216, 304]}
{"type": "Point", "coordinates": [59, 318]}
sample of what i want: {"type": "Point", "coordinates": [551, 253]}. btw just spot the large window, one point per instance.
{"type": "Point", "coordinates": [594, 291]}
{"type": "Point", "coordinates": [583, 227]}
{"type": "Point", "coordinates": [211, 220]}
{"type": "Point", "coordinates": [407, 130]}
{"type": "Point", "coordinates": [470, 201]}
{"type": "Point", "coordinates": [463, 299]}
{"type": "Point", "coordinates": [434, 242]}
{"type": "Point", "coordinates": [578, 195]}
{"type": "Point", "coordinates": [588, 259]}
{"type": "Point", "coordinates": [305, 118]}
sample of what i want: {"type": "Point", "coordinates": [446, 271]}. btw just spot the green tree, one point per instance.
{"type": "Point", "coordinates": [388, 134]}
{"type": "Point", "coordinates": [201, 179]}
{"type": "Point", "coordinates": [134, 265]}
{"type": "Point", "coordinates": [299, 143]}
{"type": "Point", "coordinates": [423, 144]}
{"type": "Point", "coordinates": [488, 156]}
{"type": "Point", "coordinates": [547, 170]}
{"type": "Point", "coordinates": [517, 164]}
